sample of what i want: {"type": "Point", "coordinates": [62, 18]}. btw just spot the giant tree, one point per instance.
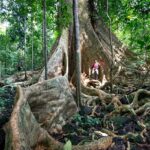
{"type": "Point", "coordinates": [43, 108]}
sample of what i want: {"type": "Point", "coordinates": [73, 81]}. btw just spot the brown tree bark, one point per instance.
{"type": "Point", "coordinates": [94, 44]}
{"type": "Point", "coordinates": [78, 53]}
{"type": "Point", "coordinates": [44, 37]}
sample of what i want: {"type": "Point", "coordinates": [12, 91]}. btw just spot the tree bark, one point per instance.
{"type": "Point", "coordinates": [44, 37]}
{"type": "Point", "coordinates": [94, 44]}
{"type": "Point", "coordinates": [32, 43]}
{"type": "Point", "coordinates": [25, 46]}
{"type": "Point", "coordinates": [78, 55]}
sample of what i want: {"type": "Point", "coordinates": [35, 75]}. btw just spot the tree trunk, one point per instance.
{"type": "Point", "coordinates": [78, 55]}
{"type": "Point", "coordinates": [94, 44]}
{"type": "Point", "coordinates": [44, 37]}
{"type": "Point", "coordinates": [32, 44]}
{"type": "Point", "coordinates": [25, 46]}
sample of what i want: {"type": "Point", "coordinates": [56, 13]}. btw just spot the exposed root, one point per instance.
{"type": "Point", "coordinates": [136, 100]}
{"type": "Point", "coordinates": [104, 97]}
{"type": "Point", "coordinates": [101, 144]}
{"type": "Point", "coordinates": [143, 108]}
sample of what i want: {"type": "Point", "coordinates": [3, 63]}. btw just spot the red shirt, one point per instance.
{"type": "Point", "coordinates": [95, 65]}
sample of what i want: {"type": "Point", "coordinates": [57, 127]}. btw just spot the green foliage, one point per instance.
{"type": "Point", "coordinates": [64, 14]}
{"type": "Point", "coordinates": [130, 21]}
{"type": "Point", "coordinates": [68, 145]}
{"type": "Point", "coordinates": [25, 19]}
{"type": "Point", "coordinates": [130, 98]}
{"type": "Point", "coordinates": [119, 121]}
{"type": "Point", "coordinates": [2, 90]}
{"type": "Point", "coordinates": [2, 104]}
{"type": "Point", "coordinates": [135, 139]}
{"type": "Point", "coordinates": [110, 108]}
{"type": "Point", "coordinates": [8, 56]}
{"type": "Point", "coordinates": [86, 121]}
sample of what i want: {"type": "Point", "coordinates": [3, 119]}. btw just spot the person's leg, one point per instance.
{"type": "Point", "coordinates": [96, 74]}
{"type": "Point", "coordinates": [92, 75]}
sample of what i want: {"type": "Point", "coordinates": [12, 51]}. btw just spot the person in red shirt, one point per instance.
{"type": "Point", "coordinates": [95, 69]}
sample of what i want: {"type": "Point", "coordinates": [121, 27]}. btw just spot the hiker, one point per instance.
{"type": "Point", "coordinates": [95, 69]}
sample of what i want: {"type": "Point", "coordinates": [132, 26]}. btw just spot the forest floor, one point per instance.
{"type": "Point", "coordinates": [128, 125]}
{"type": "Point", "coordinates": [129, 130]}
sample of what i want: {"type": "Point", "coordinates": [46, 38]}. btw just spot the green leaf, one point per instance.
{"type": "Point", "coordinates": [68, 145]}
